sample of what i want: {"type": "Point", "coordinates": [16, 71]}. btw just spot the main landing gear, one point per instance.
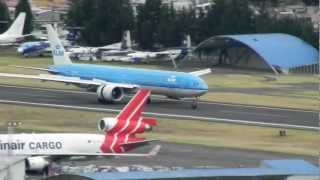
{"type": "Point", "coordinates": [195, 102]}
{"type": "Point", "coordinates": [149, 100]}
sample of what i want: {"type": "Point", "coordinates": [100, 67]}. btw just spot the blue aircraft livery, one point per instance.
{"type": "Point", "coordinates": [113, 83]}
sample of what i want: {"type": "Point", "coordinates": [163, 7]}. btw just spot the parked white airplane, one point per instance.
{"type": "Point", "coordinates": [107, 52]}
{"type": "Point", "coordinates": [168, 55]}
{"type": "Point", "coordinates": [120, 137]}
{"type": "Point", "coordinates": [15, 33]}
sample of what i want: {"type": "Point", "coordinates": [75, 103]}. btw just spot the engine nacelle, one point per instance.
{"type": "Point", "coordinates": [36, 163]}
{"type": "Point", "coordinates": [110, 93]}
{"type": "Point", "coordinates": [106, 124]}
{"type": "Point", "coordinates": [147, 127]}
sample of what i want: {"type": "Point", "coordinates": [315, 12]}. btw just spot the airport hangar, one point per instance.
{"type": "Point", "coordinates": [274, 52]}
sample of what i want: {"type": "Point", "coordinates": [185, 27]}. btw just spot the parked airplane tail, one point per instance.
{"type": "Point", "coordinates": [58, 52]}
{"type": "Point", "coordinates": [187, 41]}
{"type": "Point", "coordinates": [16, 27]}
{"type": "Point", "coordinates": [126, 41]}
{"type": "Point", "coordinates": [187, 48]}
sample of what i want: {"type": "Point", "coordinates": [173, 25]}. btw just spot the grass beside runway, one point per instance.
{"type": "Point", "coordinates": [289, 91]}
{"type": "Point", "coordinates": [279, 100]}
{"type": "Point", "coordinates": [39, 119]}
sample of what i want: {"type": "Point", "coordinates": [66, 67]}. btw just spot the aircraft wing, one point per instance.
{"type": "Point", "coordinates": [68, 80]}
{"type": "Point", "coordinates": [138, 143]}
{"type": "Point", "coordinates": [33, 68]}
{"type": "Point", "coordinates": [153, 152]}
{"type": "Point", "coordinates": [201, 72]}
{"type": "Point", "coordinates": [26, 35]}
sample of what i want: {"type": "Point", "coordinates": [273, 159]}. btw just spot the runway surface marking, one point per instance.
{"type": "Point", "coordinates": [158, 97]}
{"type": "Point", "coordinates": [252, 113]}
{"type": "Point", "coordinates": [168, 115]}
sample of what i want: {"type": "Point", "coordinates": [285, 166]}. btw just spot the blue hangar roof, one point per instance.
{"type": "Point", "coordinates": [267, 168]}
{"type": "Point", "coordinates": [277, 49]}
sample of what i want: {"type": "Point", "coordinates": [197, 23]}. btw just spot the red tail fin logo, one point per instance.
{"type": "Point", "coordinates": [121, 137]}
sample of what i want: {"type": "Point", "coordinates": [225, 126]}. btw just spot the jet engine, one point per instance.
{"type": "Point", "coordinates": [107, 124]}
{"type": "Point", "coordinates": [37, 163]}
{"type": "Point", "coordinates": [110, 93]}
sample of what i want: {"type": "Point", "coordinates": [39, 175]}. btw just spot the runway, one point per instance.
{"type": "Point", "coordinates": [163, 107]}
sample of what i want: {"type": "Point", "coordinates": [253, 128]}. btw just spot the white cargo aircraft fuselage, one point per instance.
{"type": "Point", "coordinates": [119, 137]}
{"type": "Point", "coordinates": [48, 144]}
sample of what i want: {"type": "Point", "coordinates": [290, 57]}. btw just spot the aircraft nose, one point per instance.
{"type": "Point", "coordinates": [203, 85]}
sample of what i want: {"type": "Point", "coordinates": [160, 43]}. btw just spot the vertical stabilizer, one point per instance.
{"type": "Point", "coordinates": [16, 28]}
{"type": "Point", "coordinates": [58, 52]}
{"type": "Point", "coordinates": [188, 41]}
{"type": "Point", "coordinates": [126, 41]}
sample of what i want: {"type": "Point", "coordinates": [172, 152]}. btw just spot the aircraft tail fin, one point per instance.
{"type": "Point", "coordinates": [187, 41]}
{"type": "Point", "coordinates": [126, 41]}
{"type": "Point", "coordinates": [16, 27]}
{"type": "Point", "coordinates": [121, 137]}
{"type": "Point", "coordinates": [58, 52]}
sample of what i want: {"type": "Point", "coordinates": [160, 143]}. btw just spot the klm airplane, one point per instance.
{"type": "Point", "coordinates": [112, 83]}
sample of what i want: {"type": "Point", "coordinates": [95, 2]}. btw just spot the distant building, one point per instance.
{"type": "Point", "coordinates": [179, 4]}
{"type": "Point", "coordinates": [300, 11]}
{"type": "Point", "coordinates": [48, 16]}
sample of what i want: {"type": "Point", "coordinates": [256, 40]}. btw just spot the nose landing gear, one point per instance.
{"type": "Point", "coordinates": [195, 102]}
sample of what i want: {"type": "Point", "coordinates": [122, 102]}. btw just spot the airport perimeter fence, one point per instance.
{"type": "Point", "coordinates": [307, 69]}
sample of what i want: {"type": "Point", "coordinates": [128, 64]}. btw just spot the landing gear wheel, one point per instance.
{"type": "Point", "coordinates": [149, 100]}
{"type": "Point", "coordinates": [194, 104]}
{"type": "Point", "coordinates": [102, 101]}
{"type": "Point", "coordinates": [45, 171]}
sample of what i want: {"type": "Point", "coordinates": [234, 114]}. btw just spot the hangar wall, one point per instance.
{"type": "Point", "coordinates": [280, 53]}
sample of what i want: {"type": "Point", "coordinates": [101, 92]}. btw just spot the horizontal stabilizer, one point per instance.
{"type": "Point", "coordinates": [138, 143]}
{"type": "Point", "coordinates": [33, 68]}
{"type": "Point", "coordinates": [150, 121]}
{"type": "Point", "coordinates": [27, 35]}
{"type": "Point", "coordinates": [153, 152]}
{"type": "Point", "coordinates": [201, 72]}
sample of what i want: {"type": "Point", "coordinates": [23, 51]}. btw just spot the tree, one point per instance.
{"type": "Point", "coordinates": [24, 6]}
{"type": "Point", "coordinates": [228, 17]}
{"type": "Point", "coordinates": [311, 2]}
{"type": "Point", "coordinates": [148, 20]}
{"type": "Point", "coordinates": [168, 32]}
{"type": "Point", "coordinates": [103, 21]}
{"type": "Point", "coordinates": [4, 17]}
{"type": "Point", "coordinates": [303, 29]}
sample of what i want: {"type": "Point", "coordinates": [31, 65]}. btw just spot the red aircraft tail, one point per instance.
{"type": "Point", "coordinates": [121, 137]}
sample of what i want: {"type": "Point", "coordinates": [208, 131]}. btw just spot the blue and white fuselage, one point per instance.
{"type": "Point", "coordinates": [113, 83]}
{"type": "Point", "coordinates": [33, 48]}
{"type": "Point", "coordinates": [169, 83]}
